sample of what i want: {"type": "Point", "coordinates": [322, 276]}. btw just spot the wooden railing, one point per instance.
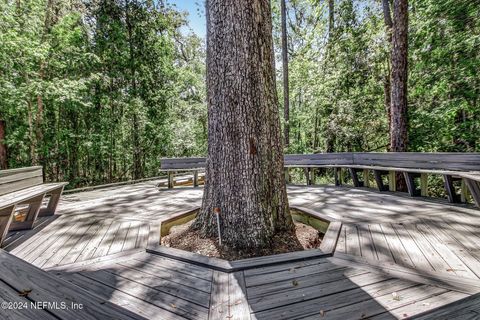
{"type": "Point", "coordinates": [464, 167]}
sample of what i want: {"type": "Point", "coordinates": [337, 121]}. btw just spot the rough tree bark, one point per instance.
{"type": "Point", "coordinates": [387, 15]}
{"type": "Point", "coordinates": [286, 90]}
{"type": "Point", "coordinates": [398, 108]}
{"type": "Point", "coordinates": [398, 129]}
{"type": "Point", "coordinates": [244, 172]}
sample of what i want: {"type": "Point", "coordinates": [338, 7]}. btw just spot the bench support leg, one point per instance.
{"type": "Point", "coordinates": [52, 203]}
{"type": "Point", "coordinates": [474, 188]}
{"type": "Point", "coordinates": [410, 180]}
{"type": "Point", "coordinates": [338, 181]}
{"type": "Point", "coordinates": [195, 178]}
{"type": "Point", "coordinates": [378, 179]}
{"type": "Point", "coordinates": [452, 196]}
{"type": "Point", "coordinates": [33, 210]}
{"type": "Point", "coordinates": [6, 216]}
{"type": "Point", "coordinates": [170, 180]}
{"type": "Point", "coordinates": [356, 182]}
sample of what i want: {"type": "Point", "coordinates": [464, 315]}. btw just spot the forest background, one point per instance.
{"type": "Point", "coordinates": [98, 91]}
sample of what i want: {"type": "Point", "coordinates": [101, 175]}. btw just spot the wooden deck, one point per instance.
{"type": "Point", "coordinates": [396, 257]}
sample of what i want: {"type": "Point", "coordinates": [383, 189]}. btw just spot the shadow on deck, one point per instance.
{"type": "Point", "coordinates": [396, 257]}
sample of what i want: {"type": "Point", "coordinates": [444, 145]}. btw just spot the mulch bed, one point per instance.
{"type": "Point", "coordinates": [184, 238]}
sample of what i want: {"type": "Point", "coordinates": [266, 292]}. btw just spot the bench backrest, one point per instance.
{"type": "Point", "coordinates": [411, 160]}
{"type": "Point", "coordinates": [419, 160]}
{"type": "Point", "coordinates": [320, 159]}
{"type": "Point", "coordinates": [182, 163]}
{"type": "Point", "coordinates": [12, 180]}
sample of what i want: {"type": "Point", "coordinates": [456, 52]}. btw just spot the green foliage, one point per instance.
{"type": "Point", "coordinates": [96, 91]}
{"type": "Point", "coordinates": [337, 80]}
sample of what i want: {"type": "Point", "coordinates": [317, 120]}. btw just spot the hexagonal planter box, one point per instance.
{"type": "Point", "coordinates": [310, 217]}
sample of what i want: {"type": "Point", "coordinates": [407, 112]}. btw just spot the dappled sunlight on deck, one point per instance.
{"type": "Point", "coordinates": [395, 257]}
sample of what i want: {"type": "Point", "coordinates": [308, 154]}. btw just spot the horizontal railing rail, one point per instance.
{"type": "Point", "coordinates": [464, 167]}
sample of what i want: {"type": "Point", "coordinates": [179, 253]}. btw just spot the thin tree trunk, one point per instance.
{"type": "Point", "coordinates": [398, 129]}
{"type": "Point", "coordinates": [137, 157]}
{"type": "Point", "coordinates": [331, 18]}
{"type": "Point", "coordinates": [330, 134]}
{"type": "Point", "coordinates": [244, 172]}
{"type": "Point", "coordinates": [3, 147]}
{"type": "Point", "coordinates": [31, 135]}
{"type": "Point", "coordinates": [286, 89]}
{"type": "Point", "coordinates": [387, 82]}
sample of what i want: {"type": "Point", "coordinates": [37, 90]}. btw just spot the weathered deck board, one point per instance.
{"type": "Point", "coordinates": [47, 288]}
{"type": "Point", "coordinates": [137, 305]}
{"type": "Point", "coordinates": [10, 295]}
{"type": "Point", "coordinates": [385, 230]}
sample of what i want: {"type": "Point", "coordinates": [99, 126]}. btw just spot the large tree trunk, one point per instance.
{"type": "Point", "coordinates": [398, 130]}
{"type": "Point", "coordinates": [286, 90]}
{"type": "Point", "coordinates": [244, 173]}
{"type": "Point", "coordinates": [398, 109]}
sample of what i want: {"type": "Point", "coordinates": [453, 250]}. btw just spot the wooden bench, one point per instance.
{"type": "Point", "coordinates": [172, 165]}
{"type": "Point", "coordinates": [24, 189]}
{"type": "Point", "coordinates": [451, 166]}
{"type": "Point", "coordinates": [464, 167]}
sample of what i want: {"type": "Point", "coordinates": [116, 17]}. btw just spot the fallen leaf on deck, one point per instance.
{"type": "Point", "coordinates": [295, 283]}
{"type": "Point", "coordinates": [24, 292]}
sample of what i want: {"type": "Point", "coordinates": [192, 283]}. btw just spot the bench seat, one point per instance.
{"type": "Point", "coordinates": [29, 193]}
{"type": "Point", "coordinates": [24, 188]}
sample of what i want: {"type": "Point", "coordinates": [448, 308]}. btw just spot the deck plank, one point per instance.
{"type": "Point", "coordinates": [118, 297]}
{"type": "Point", "coordinates": [148, 293]}
{"type": "Point", "coordinates": [219, 300]}
{"type": "Point", "coordinates": [62, 248]}
{"type": "Point", "coordinates": [23, 310]}
{"type": "Point", "coordinates": [418, 257]}
{"type": "Point", "coordinates": [402, 243]}
{"type": "Point", "coordinates": [382, 247]}
{"type": "Point", "coordinates": [45, 287]}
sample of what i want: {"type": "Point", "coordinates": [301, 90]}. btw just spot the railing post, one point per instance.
{"type": "Point", "coordinates": [423, 184]}
{"type": "Point", "coordinates": [335, 173]}
{"type": "Point", "coordinates": [307, 176]}
{"type": "Point", "coordinates": [366, 178]}
{"type": "Point", "coordinates": [195, 178]}
{"type": "Point", "coordinates": [463, 191]}
{"type": "Point", "coordinates": [170, 180]}
{"type": "Point", "coordinates": [392, 181]}
{"type": "Point", "coordinates": [287, 175]}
